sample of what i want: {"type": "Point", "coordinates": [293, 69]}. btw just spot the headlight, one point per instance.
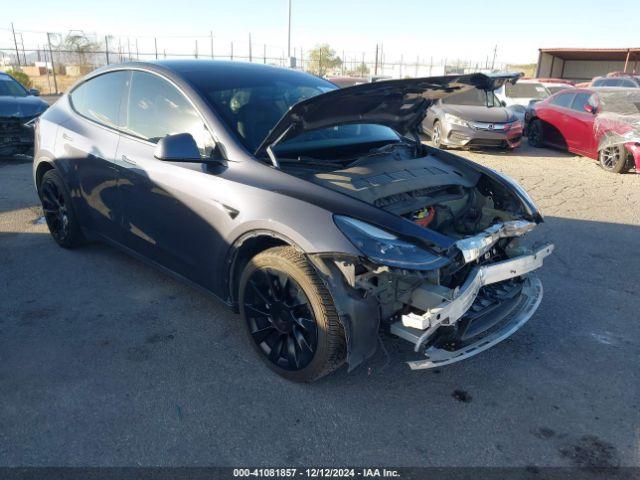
{"type": "Point", "coordinates": [385, 248]}
{"type": "Point", "coordinates": [453, 120]}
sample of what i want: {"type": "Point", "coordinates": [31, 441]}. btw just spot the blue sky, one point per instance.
{"type": "Point", "coordinates": [452, 30]}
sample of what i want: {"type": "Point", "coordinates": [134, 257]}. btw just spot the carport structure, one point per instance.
{"type": "Point", "coordinates": [582, 64]}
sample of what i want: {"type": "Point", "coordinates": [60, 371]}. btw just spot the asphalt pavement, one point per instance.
{"type": "Point", "coordinates": [105, 361]}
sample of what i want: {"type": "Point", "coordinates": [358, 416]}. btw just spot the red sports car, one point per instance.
{"type": "Point", "coordinates": [600, 123]}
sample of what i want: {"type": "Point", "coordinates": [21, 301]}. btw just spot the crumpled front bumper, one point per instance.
{"type": "Point", "coordinates": [418, 329]}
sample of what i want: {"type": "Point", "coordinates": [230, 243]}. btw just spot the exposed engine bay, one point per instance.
{"type": "Point", "coordinates": [483, 294]}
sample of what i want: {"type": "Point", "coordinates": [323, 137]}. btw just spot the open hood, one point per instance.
{"type": "Point", "coordinates": [398, 104]}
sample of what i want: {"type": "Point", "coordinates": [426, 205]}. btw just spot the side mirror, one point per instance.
{"type": "Point", "coordinates": [34, 91]}
{"type": "Point", "coordinates": [590, 108]}
{"type": "Point", "coordinates": [503, 103]}
{"type": "Point", "coordinates": [178, 148]}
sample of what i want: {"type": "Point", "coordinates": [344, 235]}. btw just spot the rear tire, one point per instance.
{"type": "Point", "coordinates": [535, 134]}
{"type": "Point", "coordinates": [58, 211]}
{"type": "Point", "coordinates": [290, 317]}
{"type": "Point", "coordinates": [614, 159]}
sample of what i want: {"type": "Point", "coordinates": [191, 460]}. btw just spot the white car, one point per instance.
{"type": "Point", "coordinates": [518, 96]}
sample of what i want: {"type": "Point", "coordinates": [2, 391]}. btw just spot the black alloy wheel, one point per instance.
{"type": "Point", "coordinates": [55, 209]}
{"type": "Point", "coordinates": [58, 211]}
{"type": "Point", "coordinates": [535, 134]}
{"type": "Point", "coordinates": [280, 319]}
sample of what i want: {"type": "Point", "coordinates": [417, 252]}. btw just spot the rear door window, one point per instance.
{"type": "Point", "coordinates": [100, 98]}
{"type": "Point", "coordinates": [563, 100]}
{"type": "Point", "coordinates": [580, 101]}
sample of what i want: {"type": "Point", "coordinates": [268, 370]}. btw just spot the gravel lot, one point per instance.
{"type": "Point", "coordinates": [105, 361]}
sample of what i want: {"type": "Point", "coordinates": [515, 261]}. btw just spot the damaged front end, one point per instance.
{"type": "Point", "coordinates": [453, 299]}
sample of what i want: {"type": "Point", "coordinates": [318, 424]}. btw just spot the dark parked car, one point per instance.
{"type": "Point", "coordinates": [304, 206]}
{"type": "Point", "coordinates": [599, 123]}
{"type": "Point", "coordinates": [472, 119]}
{"type": "Point", "coordinates": [18, 106]}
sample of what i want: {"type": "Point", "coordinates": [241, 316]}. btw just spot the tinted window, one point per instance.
{"type": "Point", "coordinates": [628, 83]}
{"type": "Point", "coordinates": [156, 108]}
{"type": "Point", "coordinates": [580, 100]}
{"type": "Point", "coordinates": [563, 100]}
{"type": "Point", "coordinates": [99, 98]}
{"type": "Point", "coordinates": [9, 87]}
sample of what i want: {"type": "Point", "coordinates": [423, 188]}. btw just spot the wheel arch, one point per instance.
{"type": "Point", "coordinates": [243, 249]}
{"type": "Point", "coordinates": [43, 167]}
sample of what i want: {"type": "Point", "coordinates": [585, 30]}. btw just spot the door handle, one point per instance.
{"type": "Point", "coordinates": [126, 159]}
{"type": "Point", "coordinates": [67, 137]}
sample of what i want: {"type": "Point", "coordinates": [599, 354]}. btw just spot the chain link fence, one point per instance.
{"type": "Point", "coordinates": [53, 61]}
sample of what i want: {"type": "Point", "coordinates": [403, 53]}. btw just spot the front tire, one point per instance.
{"type": "Point", "coordinates": [613, 159]}
{"type": "Point", "coordinates": [535, 134]}
{"type": "Point", "coordinates": [58, 211]}
{"type": "Point", "coordinates": [436, 135]}
{"type": "Point", "coordinates": [290, 316]}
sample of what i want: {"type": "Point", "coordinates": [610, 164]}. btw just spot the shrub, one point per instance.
{"type": "Point", "coordinates": [21, 77]}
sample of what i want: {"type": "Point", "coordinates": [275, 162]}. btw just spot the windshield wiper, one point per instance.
{"type": "Point", "coordinates": [310, 161]}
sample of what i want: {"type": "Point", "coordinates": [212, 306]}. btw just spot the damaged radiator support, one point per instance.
{"type": "Point", "coordinates": [418, 328]}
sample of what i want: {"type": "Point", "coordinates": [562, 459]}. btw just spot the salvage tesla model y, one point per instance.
{"type": "Point", "coordinates": [314, 211]}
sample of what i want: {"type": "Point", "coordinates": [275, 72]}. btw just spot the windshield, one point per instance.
{"type": "Point", "coordinates": [251, 105]}
{"type": "Point", "coordinates": [526, 90]}
{"type": "Point", "coordinates": [625, 102]}
{"type": "Point", "coordinates": [474, 97]}
{"type": "Point", "coordinates": [9, 87]}
{"type": "Point", "coordinates": [557, 88]}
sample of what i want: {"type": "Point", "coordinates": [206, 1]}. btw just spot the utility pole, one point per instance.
{"type": "Point", "coordinates": [289, 33]}
{"type": "Point", "coordinates": [137, 51]}
{"type": "Point", "coordinates": [493, 62]}
{"type": "Point", "coordinates": [196, 48]}
{"type": "Point", "coordinates": [106, 48]}
{"type": "Point", "coordinates": [15, 42]}
{"type": "Point", "coordinates": [375, 67]}
{"type": "Point", "coordinates": [231, 50]}
{"type": "Point", "coordinates": [250, 52]}
{"type": "Point", "coordinates": [264, 54]}
{"type": "Point", "coordinates": [53, 68]}
{"type": "Point", "coordinates": [211, 36]}
{"type": "Point", "coordinates": [155, 43]}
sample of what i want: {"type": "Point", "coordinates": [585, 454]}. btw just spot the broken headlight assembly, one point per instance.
{"type": "Point", "coordinates": [386, 248]}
